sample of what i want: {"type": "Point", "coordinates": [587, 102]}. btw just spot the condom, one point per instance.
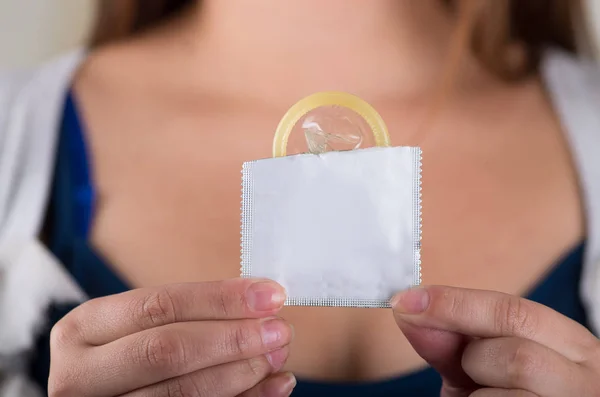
{"type": "Point", "coordinates": [331, 121]}
{"type": "Point", "coordinates": [335, 215]}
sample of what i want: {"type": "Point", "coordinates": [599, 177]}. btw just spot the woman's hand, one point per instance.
{"type": "Point", "coordinates": [216, 339]}
{"type": "Point", "coordinates": [489, 344]}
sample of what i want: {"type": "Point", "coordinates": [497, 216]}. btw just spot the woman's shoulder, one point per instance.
{"type": "Point", "coordinates": [23, 87]}
{"type": "Point", "coordinates": [33, 94]}
{"type": "Point", "coordinates": [573, 86]}
{"type": "Point", "coordinates": [31, 103]}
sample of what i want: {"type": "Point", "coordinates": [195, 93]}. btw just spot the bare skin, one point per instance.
{"type": "Point", "coordinates": [171, 116]}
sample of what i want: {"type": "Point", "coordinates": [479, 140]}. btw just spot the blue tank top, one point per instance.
{"type": "Point", "coordinates": [68, 222]}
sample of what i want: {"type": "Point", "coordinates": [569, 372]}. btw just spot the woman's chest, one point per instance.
{"type": "Point", "coordinates": [497, 209]}
{"type": "Point", "coordinates": [500, 205]}
{"type": "Point", "coordinates": [491, 221]}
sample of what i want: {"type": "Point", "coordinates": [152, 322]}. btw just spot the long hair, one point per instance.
{"type": "Point", "coordinates": [490, 27]}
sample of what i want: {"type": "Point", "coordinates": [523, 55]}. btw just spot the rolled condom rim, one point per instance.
{"type": "Point", "coordinates": [329, 98]}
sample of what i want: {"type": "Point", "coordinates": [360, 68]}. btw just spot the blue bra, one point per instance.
{"type": "Point", "coordinates": [70, 212]}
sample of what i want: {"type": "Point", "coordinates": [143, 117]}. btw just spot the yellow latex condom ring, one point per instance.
{"type": "Point", "coordinates": [342, 99]}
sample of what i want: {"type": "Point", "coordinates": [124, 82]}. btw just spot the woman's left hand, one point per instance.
{"type": "Point", "coordinates": [489, 344]}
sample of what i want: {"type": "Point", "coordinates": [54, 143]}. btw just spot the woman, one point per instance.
{"type": "Point", "coordinates": [125, 163]}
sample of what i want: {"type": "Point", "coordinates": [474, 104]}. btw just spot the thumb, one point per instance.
{"type": "Point", "coordinates": [441, 349]}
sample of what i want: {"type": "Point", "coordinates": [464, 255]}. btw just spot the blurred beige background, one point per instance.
{"type": "Point", "coordinates": [34, 30]}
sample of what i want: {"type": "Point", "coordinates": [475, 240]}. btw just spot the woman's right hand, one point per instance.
{"type": "Point", "coordinates": [216, 339]}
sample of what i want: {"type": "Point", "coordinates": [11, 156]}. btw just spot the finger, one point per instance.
{"type": "Point", "coordinates": [493, 314]}
{"type": "Point", "coordinates": [280, 385]}
{"type": "Point", "coordinates": [502, 393]}
{"type": "Point", "coordinates": [227, 380]}
{"type": "Point", "coordinates": [515, 363]}
{"type": "Point", "coordinates": [174, 350]}
{"type": "Point", "coordinates": [442, 350]}
{"type": "Point", "coordinates": [104, 320]}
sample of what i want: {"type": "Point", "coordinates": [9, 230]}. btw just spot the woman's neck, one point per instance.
{"type": "Point", "coordinates": [375, 48]}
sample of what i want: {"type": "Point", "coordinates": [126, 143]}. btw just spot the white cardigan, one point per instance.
{"type": "Point", "coordinates": [31, 106]}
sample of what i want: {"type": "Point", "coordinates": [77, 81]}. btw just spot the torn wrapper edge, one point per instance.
{"type": "Point", "coordinates": [247, 218]}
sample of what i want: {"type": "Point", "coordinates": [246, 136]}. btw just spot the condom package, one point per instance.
{"type": "Point", "coordinates": [335, 215]}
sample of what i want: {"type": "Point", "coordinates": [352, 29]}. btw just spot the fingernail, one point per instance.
{"type": "Point", "coordinates": [275, 333]}
{"type": "Point", "coordinates": [278, 358]}
{"type": "Point", "coordinates": [412, 301]}
{"type": "Point", "coordinates": [288, 385]}
{"type": "Point", "coordinates": [265, 296]}
{"type": "Point", "coordinates": [280, 385]}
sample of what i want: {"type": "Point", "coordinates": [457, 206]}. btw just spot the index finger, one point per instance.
{"type": "Point", "coordinates": [490, 314]}
{"type": "Point", "coordinates": [107, 319]}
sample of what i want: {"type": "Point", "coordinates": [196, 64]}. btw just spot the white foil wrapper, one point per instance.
{"type": "Point", "coordinates": [334, 229]}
